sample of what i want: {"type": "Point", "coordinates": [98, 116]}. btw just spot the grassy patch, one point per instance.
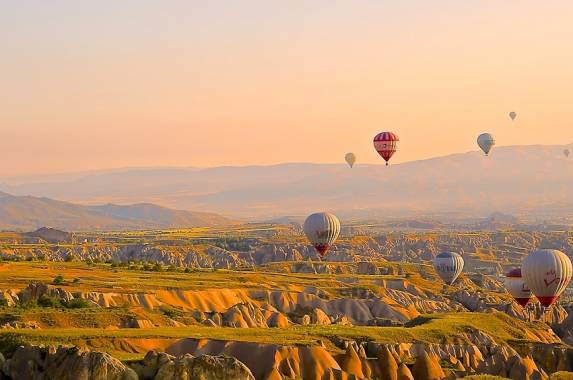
{"type": "Point", "coordinates": [438, 329]}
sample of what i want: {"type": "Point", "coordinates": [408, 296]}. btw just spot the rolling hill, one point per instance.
{"type": "Point", "coordinates": [28, 212]}
{"type": "Point", "coordinates": [534, 180]}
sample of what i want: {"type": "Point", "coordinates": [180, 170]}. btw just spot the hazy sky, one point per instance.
{"type": "Point", "coordinates": [102, 84]}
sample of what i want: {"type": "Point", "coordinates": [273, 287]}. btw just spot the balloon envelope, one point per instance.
{"type": "Point", "coordinates": [512, 115]}
{"type": "Point", "coordinates": [518, 289]}
{"type": "Point", "coordinates": [547, 272]}
{"type": "Point", "coordinates": [350, 159]}
{"type": "Point", "coordinates": [485, 142]}
{"type": "Point", "coordinates": [322, 230]}
{"type": "Point", "coordinates": [449, 265]}
{"type": "Point", "coordinates": [386, 144]}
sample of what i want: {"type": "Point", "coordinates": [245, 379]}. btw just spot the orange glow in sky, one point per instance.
{"type": "Point", "coordinates": [208, 83]}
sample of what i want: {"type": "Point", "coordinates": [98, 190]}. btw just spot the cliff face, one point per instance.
{"type": "Point", "coordinates": [389, 361]}
{"type": "Point", "coordinates": [234, 360]}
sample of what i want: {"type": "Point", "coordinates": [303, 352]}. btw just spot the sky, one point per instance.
{"type": "Point", "coordinates": [107, 84]}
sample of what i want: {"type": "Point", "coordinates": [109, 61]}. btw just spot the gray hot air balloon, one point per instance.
{"type": "Point", "coordinates": [449, 265]}
{"type": "Point", "coordinates": [512, 115]}
{"type": "Point", "coordinates": [566, 152]}
{"type": "Point", "coordinates": [547, 272]}
{"type": "Point", "coordinates": [322, 229]}
{"type": "Point", "coordinates": [486, 142]}
{"type": "Point", "coordinates": [350, 159]}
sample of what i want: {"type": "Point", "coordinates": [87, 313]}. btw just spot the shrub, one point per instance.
{"type": "Point", "coordinates": [3, 302]}
{"type": "Point", "coordinates": [69, 258]}
{"type": "Point", "coordinates": [9, 342]}
{"type": "Point", "coordinates": [158, 267]}
{"type": "Point", "coordinates": [58, 280]}
{"type": "Point", "coordinates": [30, 304]}
{"type": "Point", "coordinates": [47, 301]}
{"type": "Point", "coordinates": [76, 280]}
{"type": "Point", "coordinates": [171, 312]}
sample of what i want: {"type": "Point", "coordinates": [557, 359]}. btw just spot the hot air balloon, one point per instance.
{"type": "Point", "coordinates": [518, 289]}
{"type": "Point", "coordinates": [350, 159]}
{"type": "Point", "coordinates": [386, 144]}
{"type": "Point", "coordinates": [449, 265]}
{"type": "Point", "coordinates": [485, 142]}
{"type": "Point", "coordinates": [566, 152]}
{"type": "Point", "coordinates": [512, 115]}
{"type": "Point", "coordinates": [547, 273]}
{"type": "Point", "coordinates": [322, 229]}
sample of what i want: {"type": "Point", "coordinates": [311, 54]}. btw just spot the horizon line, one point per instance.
{"type": "Point", "coordinates": [198, 168]}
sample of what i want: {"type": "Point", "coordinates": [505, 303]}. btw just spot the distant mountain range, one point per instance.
{"type": "Point", "coordinates": [28, 212]}
{"type": "Point", "coordinates": [533, 180]}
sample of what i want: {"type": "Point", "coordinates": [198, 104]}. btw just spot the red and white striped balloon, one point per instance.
{"type": "Point", "coordinates": [386, 144]}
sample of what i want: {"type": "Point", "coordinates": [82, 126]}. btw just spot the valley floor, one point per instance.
{"type": "Point", "coordinates": [299, 318]}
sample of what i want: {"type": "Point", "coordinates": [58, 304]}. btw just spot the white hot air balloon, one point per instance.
{"type": "Point", "coordinates": [350, 159]}
{"type": "Point", "coordinates": [449, 265]}
{"type": "Point", "coordinates": [547, 272]}
{"type": "Point", "coordinates": [566, 152]}
{"type": "Point", "coordinates": [518, 289]}
{"type": "Point", "coordinates": [322, 229]}
{"type": "Point", "coordinates": [512, 115]}
{"type": "Point", "coordinates": [486, 142]}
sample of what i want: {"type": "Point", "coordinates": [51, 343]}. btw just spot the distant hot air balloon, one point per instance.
{"type": "Point", "coordinates": [512, 115]}
{"type": "Point", "coordinates": [518, 289]}
{"type": "Point", "coordinates": [449, 265]}
{"type": "Point", "coordinates": [566, 152]}
{"type": "Point", "coordinates": [386, 144]}
{"type": "Point", "coordinates": [322, 229]}
{"type": "Point", "coordinates": [547, 273]}
{"type": "Point", "coordinates": [350, 159]}
{"type": "Point", "coordinates": [485, 142]}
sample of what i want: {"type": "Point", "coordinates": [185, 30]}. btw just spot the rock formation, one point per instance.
{"type": "Point", "coordinates": [37, 363]}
